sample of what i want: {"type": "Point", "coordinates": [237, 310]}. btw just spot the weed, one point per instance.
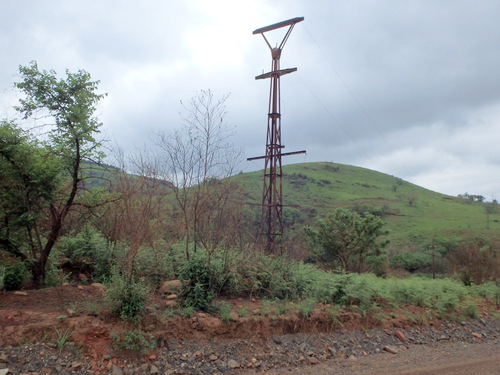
{"type": "Point", "coordinates": [333, 314]}
{"type": "Point", "coordinates": [136, 340]}
{"type": "Point", "coordinates": [242, 312]}
{"type": "Point", "coordinates": [187, 312]}
{"type": "Point", "coordinates": [224, 309]}
{"type": "Point", "coordinates": [265, 309]}
{"type": "Point", "coordinates": [282, 307]}
{"type": "Point", "coordinates": [167, 313]}
{"type": "Point", "coordinates": [127, 298]}
{"type": "Point", "coordinates": [306, 307]}
{"type": "Point", "coordinates": [62, 338]}
{"type": "Point", "coordinates": [471, 311]}
{"type": "Point", "coordinates": [62, 318]}
{"type": "Point", "coordinates": [91, 307]}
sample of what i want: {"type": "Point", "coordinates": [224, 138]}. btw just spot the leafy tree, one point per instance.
{"type": "Point", "coordinates": [346, 238]}
{"type": "Point", "coordinates": [29, 180]}
{"type": "Point", "coordinates": [46, 174]}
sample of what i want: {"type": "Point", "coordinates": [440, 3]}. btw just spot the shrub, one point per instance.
{"type": "Point", "coordinates": [15, 275]}
{"type": "Point", "coordinates": [476, 262]}
{"type": "Point", "coordinates": [136, 340]}
{"type": "Point", "coordinates": [411, 261]}
{"type": "Point", "coordinates": [196, 289]}
{"type": "Point", "coordinates": [54, 276]}
{"type": "Point", "coordinates": [471, 311]}
{"type": "Point", "coordinates": [126, 297]}
{"type": "Point", "coordinates": [87, 252]}
{"type": "Point", "coordinates": [156, 264]}
{"type": "Point", "coordinates": [306, 307]}
{"type": "Point", "coordinates": [224, 310]}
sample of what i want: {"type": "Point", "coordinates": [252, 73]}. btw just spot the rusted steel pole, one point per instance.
{"type": "Point", "coordinates": [272, 197]}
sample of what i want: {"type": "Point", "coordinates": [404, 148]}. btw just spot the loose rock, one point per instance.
{"type": "Point", "coordinates": [170, 286]}
{"type": "Point", "coordinates": [400, 335]}
{"type": "Point", "coordinates": [390, 349]}
{"type": "Point", "coordinates": [117, 370]}
{"type": "Point", "coordinates": [233, 364]}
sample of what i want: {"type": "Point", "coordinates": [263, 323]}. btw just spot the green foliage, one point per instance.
{"type": "Point", "coordinates": [71, 102]}
{"type": "Point", "coordinates": [30, 179]}
{"type": "Point", "coordinates": [15, 275]}
{"type": "Point", "coordinates": [411, 261]}
{"type": "Point", "coordinates": [204, 279]}
{"type": "Point", "coordinates": [224, 310]}
{"type": "Point", "coordinates": [265, 308]}
{"type": "Point", "coordinates": [43, 178]}
{"type": "Point", "coordinates": [346, 238]}
{"type": "Point", "coordinates": [135, 340]}
{"type": "Point", "coordinates": [87, 252]}
{"type": "Point", "coordinates": [54, 276]}
{"type": "Point", "coordinates": [197, 290]}
{"type": "Point", "coordinates": [471, 311]}
{"type": "Point", "coordinates": [306, 307]}
{"type": "Point", "coordinates": [282, 306]}
{"type": "Point", "coordinates": [488, 290]}
{"type": "Point", "coordinates": [156, 264]}
{"type": "Point", "coordinates": [435, 216]}
{"type": "Point", "coordinates": [242, 312]}
{"type": "Point", "coordinates": [127, 297]}
{"type": "Point", "coordinates": [62, 338]}
{"type": "Point", "coordinates": [359, 290]}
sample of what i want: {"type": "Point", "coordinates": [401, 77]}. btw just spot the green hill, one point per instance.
{"type": "Point", "coordinates": [414, 215]}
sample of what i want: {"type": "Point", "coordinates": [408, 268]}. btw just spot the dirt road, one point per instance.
{"type": "Point", "coordinates": [445, 359]}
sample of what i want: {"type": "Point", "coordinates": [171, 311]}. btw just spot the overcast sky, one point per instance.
{"type": "Point", "coordinates": [408, 88]}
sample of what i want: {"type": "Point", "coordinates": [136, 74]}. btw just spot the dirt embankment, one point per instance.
{"type": "Point", "coordinates": [203, 344]}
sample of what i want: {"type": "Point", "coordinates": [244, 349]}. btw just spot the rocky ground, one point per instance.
{"type": "Point", "coordinates": [66, 330]}
{"type": "Point", "coordinates": [279, 352]}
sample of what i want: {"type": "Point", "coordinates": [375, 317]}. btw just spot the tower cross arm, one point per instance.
{"type": "Point", "coordinates": [275, 26]}
{"type": "Point", "coordinates": [276, 73]}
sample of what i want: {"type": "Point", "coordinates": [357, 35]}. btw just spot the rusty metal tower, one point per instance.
{"type": "Point", "coordinates": [272, 199]}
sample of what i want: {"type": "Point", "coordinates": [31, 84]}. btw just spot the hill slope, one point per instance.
{"type": "Point", "coordinates": [414, 215]}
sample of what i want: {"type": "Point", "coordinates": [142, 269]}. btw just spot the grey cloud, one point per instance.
{"type": "Point", "coordinates": [408, 88]}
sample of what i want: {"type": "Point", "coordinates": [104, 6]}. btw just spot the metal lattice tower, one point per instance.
{"type": "Point", "coordinates": [272, 199]}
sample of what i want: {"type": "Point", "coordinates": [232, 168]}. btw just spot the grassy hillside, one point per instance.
{"type": "Point", "coordinates": [414, 215]}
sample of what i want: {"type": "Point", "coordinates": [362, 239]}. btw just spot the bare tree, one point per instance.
{"type": "Point", "coordinates": [139, 215]}
{"type": "Point", "coordinates": [193, 159]}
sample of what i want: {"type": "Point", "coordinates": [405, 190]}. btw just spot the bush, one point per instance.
{"type": "Point", "coordinates": [127, 298]}
{"type": "Point", "coordinates": [15, 275]}
{"type": "Point", "coordinates": [197, 291]}
{"type": "Point", "coordinates": [136, 340]}
{"type": "Point", "coordinates": [54, 276]}
{"type": "Point", "coordinates": [156, 264]}
{"type": "Point", "coordinates": [87, 252]}
{"type": "Point", "coordinates": [411, 261]}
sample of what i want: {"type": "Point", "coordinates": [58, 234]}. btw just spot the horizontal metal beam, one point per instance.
{"type": "Point", "coordinates": [272, 204]}
{"type": "Point", "coordinates": [275, 26]}
{"type": "Point", "coordinates": [276, 73]}
{"type": "Point", "coordinates": [283, 154]}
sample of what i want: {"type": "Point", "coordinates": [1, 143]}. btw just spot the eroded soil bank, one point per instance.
{"type": "Point", "coordinates": [33, 326]}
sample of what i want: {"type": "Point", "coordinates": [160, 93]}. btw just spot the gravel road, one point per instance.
{"type": "Point", "coordinates": [444, 350]}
